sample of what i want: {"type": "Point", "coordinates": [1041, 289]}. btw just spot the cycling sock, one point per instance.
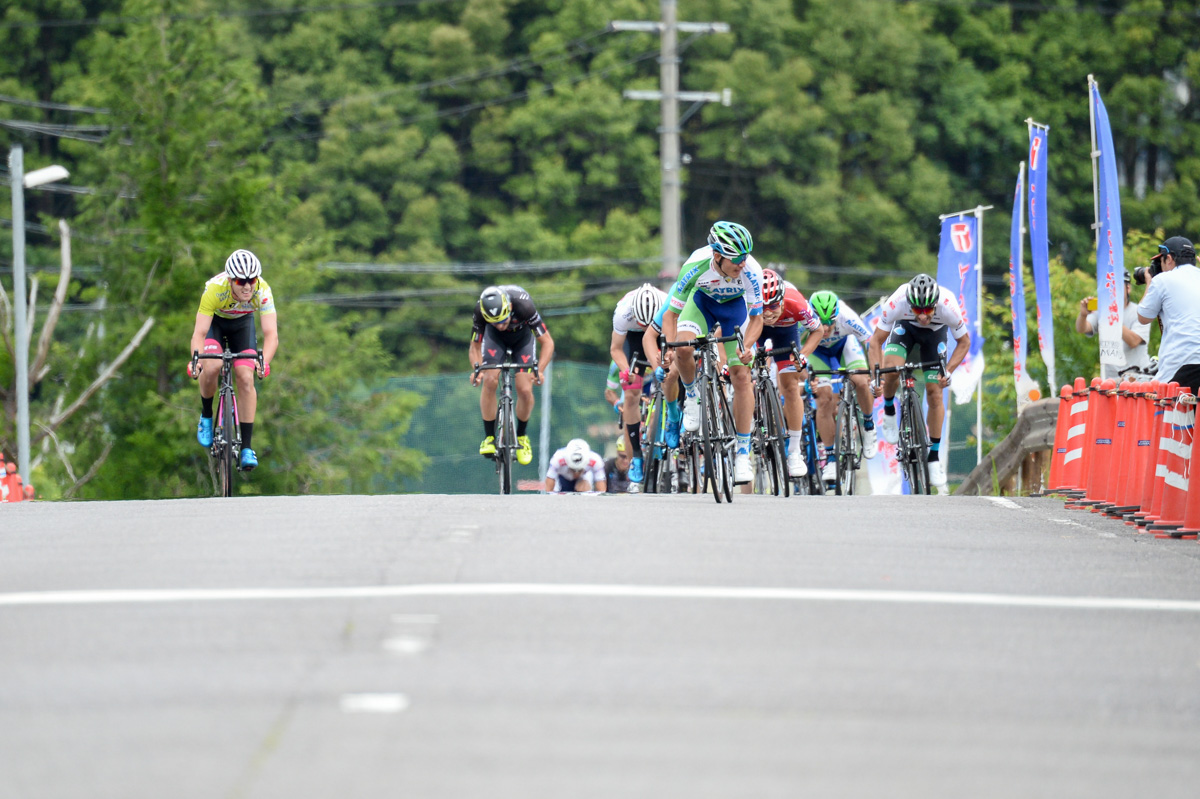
{"type": "Point", "coordinates": [689, 388]}
{"type": "Point", "coordinates": [206, 407]}
{"type": "Point", "coordinates": [934, 445]}
{"type": "Point", "coordinates": [672, 410]}
{"type": "Point", "coordinates": [743, 443]}
{"type": "Point", "coordinates": [489, 427]}
{"type": "Point", "coordinates": [247, 433]}
{"type": "Point", "coordinates": [889, 406]}
{"type": "Point", "coordinates": [869, 422]}
{"type": "Point", "coordinates": [829, 453]}
{"type": "Point", "coordinates": [794, 437]}
{"type": "Point", "coordinates": [635, 438]}
{"type": "Point", "coordinates": [521, 425]}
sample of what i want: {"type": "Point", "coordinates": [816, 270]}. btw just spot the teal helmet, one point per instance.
{"type": "Point", "coordinates": [825, 306]}
{"type": "Point", "coordinates": [731, 240]}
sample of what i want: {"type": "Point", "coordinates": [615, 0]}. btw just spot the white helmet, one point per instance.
{"type": "Point", "coordinates": [242, 264]}
{"type": "Point", "coordinates": [577, 454]}
{"type": "Point", "coordinates": [646, 303]}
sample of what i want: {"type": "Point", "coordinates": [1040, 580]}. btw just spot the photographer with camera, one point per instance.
{"type": "Point", "coordinates": [1173, 295]}
{"type": "Point", "coordinates": [1134, 334]}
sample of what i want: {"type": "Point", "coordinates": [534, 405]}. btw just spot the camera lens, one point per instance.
{"type": "Point", "coordinates": [1139, 275]}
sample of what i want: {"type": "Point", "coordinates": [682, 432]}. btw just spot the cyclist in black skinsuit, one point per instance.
{"type": "Point", "coordinates": [505, 318]}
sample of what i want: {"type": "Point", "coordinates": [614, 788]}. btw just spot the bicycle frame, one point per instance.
{"type": "Point", "coordinates": [912, 448]}
{"type": "Point", "coordinates": [226, 447]}
{"type": "Point", "coordinates": [506, 417]}
{"type": "Point", "coordinates": [718, 441]}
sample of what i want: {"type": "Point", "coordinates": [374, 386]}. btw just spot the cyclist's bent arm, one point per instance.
{"type": "Point", "coordinates": [754, 329]}
{"type": "Point", "coordinates": [875, 350]}
{"type": "Point", "coordinates": [617, 350]}
{"type": "Point", "coordinates": [475, 353]}
{"type": "Point", "coordinates": [200, 332]}
{"type": "Point", "coordinates": [546, 345]}
{"type": "Point", "coordinates": [650, 347]}
{"type": "Point", "coordinates": [551, 484]}
{"type": "Point", "coordinates": [813, 341]}
{"type": "Point", "coordinates": [270, 328]}
{"type": "Point", "coordinates": [670, 324]}
{"type": "Point", "coordinates": [961, 348]}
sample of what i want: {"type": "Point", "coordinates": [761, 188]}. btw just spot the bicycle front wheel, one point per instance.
{"type": "Point", "coordinates": [506, 444]}
{"type": "Point", "coordinates": [918, 449]}
{"type": "Point", "coordinates": [654, 446]}
{"type": "Point", "coordinates": [714, 461]}
{"type": "Point", "coordinates": [776, 443]}
{"type": "Point", "coordinates": [727, 438]}
{"type": "Point", "coordinates": [225, 463]}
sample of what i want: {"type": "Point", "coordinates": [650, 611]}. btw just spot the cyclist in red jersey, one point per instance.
{"type": "Point", "coordinates": [784, 310]}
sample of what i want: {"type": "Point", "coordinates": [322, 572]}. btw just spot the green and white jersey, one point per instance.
{"type": "Point", "coordinates": [698, 274]}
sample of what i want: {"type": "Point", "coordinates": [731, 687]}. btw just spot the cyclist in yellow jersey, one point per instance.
{"type": "Point", "coordinates": [226, 317]}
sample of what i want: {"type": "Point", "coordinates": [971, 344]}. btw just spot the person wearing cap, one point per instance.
{"type": "Point", "coordinates": [1173, 295]}
{"type": "Point", "coordinates": [1134, 334]}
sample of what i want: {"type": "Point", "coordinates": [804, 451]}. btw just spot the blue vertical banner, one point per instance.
{"type": "Point", "coordinates": [1110, 237]}
{"type": "Point", "coordinates": [1039, 240]}
{"type": "Point", "coordinates": [958, 270]}
{"type": "Point", "coordinates": [1027, 389]}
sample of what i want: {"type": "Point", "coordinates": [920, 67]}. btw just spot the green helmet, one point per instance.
{"type": "Point", "coordinates": [825, 306]}
{"type": "Point", "coordinates": [731, 240]}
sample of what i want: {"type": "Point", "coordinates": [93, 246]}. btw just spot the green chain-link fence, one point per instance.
{"type": "Point", "coordinates": [448, 430]}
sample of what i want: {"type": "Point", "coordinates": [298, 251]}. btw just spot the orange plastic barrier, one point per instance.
{"type": "Point", "coordinates": [1181, 416]}
{"type": "Point", "coordinates": [1152, 511]}
{"type": "Point", "coordinates": [1060, 439]}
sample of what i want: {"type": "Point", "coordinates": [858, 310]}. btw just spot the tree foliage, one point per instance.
{"type": "Point", "coordinates": [489, 131]}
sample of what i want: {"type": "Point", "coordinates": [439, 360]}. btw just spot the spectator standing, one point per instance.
{"type": "Point", "coordinates": [1173, 295]}
{"type": "Point", "coordinates": [1134, 334]}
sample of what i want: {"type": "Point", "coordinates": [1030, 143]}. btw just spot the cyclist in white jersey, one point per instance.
{"type": "Point", "coordinates": [634, 313]}
{"type": "Point", "coordinates": [720, 285]}
{"type": "Point", "coordinates": [575, 468]}
{"type": "Point", "coordinates": [842, 336]}
{"type": "Point", "coordinates": [918, 314]}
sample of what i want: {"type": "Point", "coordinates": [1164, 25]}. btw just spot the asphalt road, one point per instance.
{"type": "Point", "coordinates": [474, 646]}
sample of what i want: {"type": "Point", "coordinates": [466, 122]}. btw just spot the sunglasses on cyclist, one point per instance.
{"type": "Point", "coordinates": [245, 281]}
{"type": "Point", "coordinates": [924, 308]}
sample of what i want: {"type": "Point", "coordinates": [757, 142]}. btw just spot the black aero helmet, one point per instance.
{"type": "Point", "coordinates": [495, 305]}
{"type": "Point", "coordinates": [923, 291]}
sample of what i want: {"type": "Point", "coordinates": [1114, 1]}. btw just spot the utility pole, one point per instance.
{"type": "Point", "coordinates": [669, 96]}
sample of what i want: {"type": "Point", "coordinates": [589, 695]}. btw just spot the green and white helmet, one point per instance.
{"type": "Point", "coordinates": [731, 240]}
{"type": "Point", "coordinates": [824, 305]}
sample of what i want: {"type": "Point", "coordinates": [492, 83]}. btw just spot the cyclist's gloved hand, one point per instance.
{"type": "Point", "coordinates": [266, 370]}
{"type": "Point", "coordinates": [659, 374]}
{"type": "Point", "coordinates": [617, 408]}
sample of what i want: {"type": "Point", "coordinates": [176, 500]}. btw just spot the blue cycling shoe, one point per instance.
{"type": "Point", "coordinates": [636, 473]}
{"type": "Point", "coordinates": [249, 460]}
{"type": "Point", "coordinates": [672, 436]}
{"type": "Point", "coordinates": [204, 431]}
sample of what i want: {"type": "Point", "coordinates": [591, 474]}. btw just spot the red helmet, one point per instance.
{"type": "Point", "coordinates": [772, 288]}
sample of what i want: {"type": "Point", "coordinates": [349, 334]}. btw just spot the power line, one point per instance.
{"type": "Point", "coordinates": [247, 12]}
{"type": "Point", "coordinates": [79, 109]}
{"type": "Point", "coordinates": [462, 110]}
{"type": "Point", "coordinates": [514, 65]}
{"type": "Point", "coordinates": [483, 268]}
{"type": "Point", "coordinates": [1021, 6]}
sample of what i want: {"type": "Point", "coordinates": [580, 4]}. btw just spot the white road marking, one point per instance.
{"type": "Point", "coordinates": [406, 645]}
{"type": "Point", "coordinates": [1073, 523]}
{"type": "Point", "coordinates": [1003, 502]}
{"type": "Point", "coordinates": [374, 703]}
{"type": "Point", "coordinates": [135, 596]}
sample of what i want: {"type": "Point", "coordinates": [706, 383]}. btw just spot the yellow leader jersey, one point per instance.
{"type": "Point", "coordinates": [218, 299]}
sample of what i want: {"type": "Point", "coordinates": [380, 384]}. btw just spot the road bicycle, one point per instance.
{"type": "Point", "coordinates": [769, 433]}
{"type": "Point", "coordinates": [810, 442]}
{"type": "Point", "coordinates": [226, 448]}
{"type": "Point", "coordinates": [912, 447]}
{"type": "Point", "coordinates": [848, 440]}
{"type": "Point", "coordinates": [506, 417]}
{"type": "Point", "coordinates": [665, 471]}
{"type": "Point", "coordinates": [718, 440]}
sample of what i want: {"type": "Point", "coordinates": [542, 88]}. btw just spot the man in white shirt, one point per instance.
{"type": "Point", "coordinates": [1134, 334]}
{"type": "Point", "coordinates": [1173, 295]}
